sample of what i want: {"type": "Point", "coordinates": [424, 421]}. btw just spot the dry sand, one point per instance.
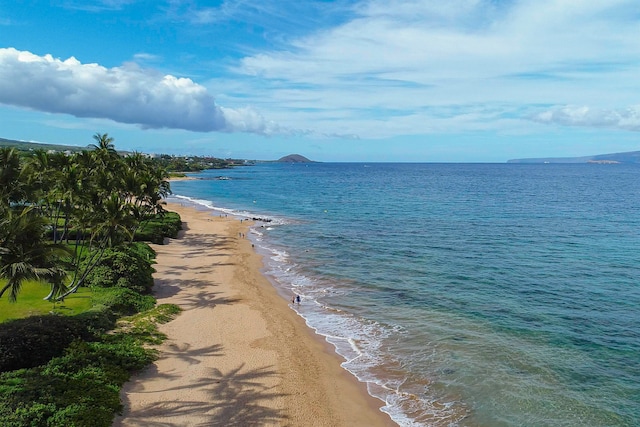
{"type": "Point", "coordinates": [237, 355]}
{"type": "Point", "coordinates": [184, 178]}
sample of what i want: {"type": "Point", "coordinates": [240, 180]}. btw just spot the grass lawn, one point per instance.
{"type": "Point", "coordinates": [30, 302]}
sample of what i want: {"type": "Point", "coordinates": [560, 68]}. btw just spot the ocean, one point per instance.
{"type": "Point", "coordinates": [462, 294]}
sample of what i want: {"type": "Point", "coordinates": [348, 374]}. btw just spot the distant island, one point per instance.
{"type": "Point", "coordinates": [294, 158]}
{"type": "Point", "coordinates": [614, 158]}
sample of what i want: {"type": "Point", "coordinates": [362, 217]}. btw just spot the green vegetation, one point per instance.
{"type": "Point", "coordinates": [125, 267]}
{"type": "Point", "coordinates": [81, 387]}
{"type": "Point", "coordinates": [196, 163]}
{"type": "Point", "coordinates": [68, 370]}
{"type": "Point", "coordinates": [90, 201]}
{"type": "Point", "coordinates": [156, 228]}
{"type": "Point", "coordinates": [32, 341]}
{"type": "Point", "coordinates": [26, 147]}
{"type": "Point", "coordinates": [71, 266]}
{"type": "Point", "coordinates": [32, 302]}
{"type": "Point", "coordinates": [173, 164]}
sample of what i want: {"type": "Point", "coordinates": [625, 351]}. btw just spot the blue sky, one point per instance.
{"type": "Point", "coordinates": [371, 80]}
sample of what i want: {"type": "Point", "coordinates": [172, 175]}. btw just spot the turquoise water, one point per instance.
{"type": "Point", "coordinates": [462, 294]}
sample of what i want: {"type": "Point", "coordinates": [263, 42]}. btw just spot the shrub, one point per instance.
{"type": "Point", "coordinates": [82, 387]}
{"type": "Point", "coordinates": [98, 320]}
{"type": "Point", "coordinates": [144, 251]}
{"type": "Point", "coordinates": [122, 301]}
{"type": "Point", "coordinates": [32, 341]}
{"type": "Point", "coordinates": [125, 267]}
{"type": "Point", "coordinates": [79, 389]}
{"type": "Point", "coordinates": [124, 273]}
{"type": "Point", "coordinates": [156, 228]}
{"type": "Point", "coordinates": [66, 371]}
{"type": "Point", "coordinates": [143, 326]}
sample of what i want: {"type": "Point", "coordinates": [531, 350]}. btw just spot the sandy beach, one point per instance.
{"type": "Point", "coordinates": [238, 355]}
{"type": "Point", "coordinates": [184, 178]}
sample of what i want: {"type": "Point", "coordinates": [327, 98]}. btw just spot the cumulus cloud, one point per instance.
{"type": "Point", "coordinates": [126, 94]}
{"type": "Point", "coordinates": [623, 119]}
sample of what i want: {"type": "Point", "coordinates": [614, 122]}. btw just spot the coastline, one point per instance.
{"type": "Point", "coordinates": [238, 354]}
{"type": "Point", "coordinates": [183, 178]}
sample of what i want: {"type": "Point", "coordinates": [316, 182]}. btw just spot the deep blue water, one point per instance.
{"type": "Point", "coordinates": [463, 294]}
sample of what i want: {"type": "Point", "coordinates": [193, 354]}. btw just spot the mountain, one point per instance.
{"type": "Point", "coordinates": [628, 157]}
{"type": "Point", "coordinates": [30, 146]}
{"type": "Point", "coordinates": [294, 158]}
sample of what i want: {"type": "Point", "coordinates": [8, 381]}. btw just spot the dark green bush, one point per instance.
{"type": "Point", "coordinates": [32, 341]}
{"type": "Point", "coordinates": [98, 320]}
{"type": "Point", "coordinates": [75, 369]}
{"type": "Point", "coordinates": [125, 267]}
{"type": "Point", "coordinates": [143, 251]}
{"type": "Point", "coordinates": [79, 389]}
{"type": "Point", "coordinates": [82, 387]}
{"type": "Point", "coordinates": [156, 228]}
{"type": "Point", "coordinates": [122, 301]}
{"type": "Point", "coordinates": [125, 273]}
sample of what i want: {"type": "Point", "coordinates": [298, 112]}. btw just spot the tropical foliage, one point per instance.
{"type": "Point", "coordinates": [25, 254]}
{"type": "Point", "coordinates": [197, 163]}
{"type": "Point", "coordinates": [68, 221]}
{"type": "Point", "coordinates": [67, 370]}
{"type": "Point", "coordinates": [81, 386]}
{"type": "Point", "coordinates": [59, 212]}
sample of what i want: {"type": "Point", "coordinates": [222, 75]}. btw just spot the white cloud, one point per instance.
{"type": "Point", "coordinates": [408, 58]}
{"type": "Point", "coordinates": [248, 120]}
{"type": "Point", "coordinates": [96, 5]}
{"type": "Point", "coordinates": [146, 57]}
{"type": "Point", "coordinates": [623, 119]}
{"type": "Point", "coordinates": [126, 94]}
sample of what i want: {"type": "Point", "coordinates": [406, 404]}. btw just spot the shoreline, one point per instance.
{"type": "Point", "coordinates": [183, 178]}
{"type": "Point", "coordinates": [238, 354]}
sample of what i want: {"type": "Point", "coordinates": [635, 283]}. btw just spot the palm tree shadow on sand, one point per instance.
{"type": "Point", "coordinates": [238, 397]}
{"type": "Point", "coordinates": [235, 398]}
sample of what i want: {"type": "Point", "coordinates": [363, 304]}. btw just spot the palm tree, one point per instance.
{"type": "Point", "coordinates": [41, 175]}
{"type": "Point", "coordinates": [104, 153]}
{"type": "Point", "coordinates": [102, 215]}
{"type": "Point", "coordinates": [25, 254]}
{"type": "Point", "coordinates": [145, 184]}
{"type": "Point", "coordinates": [108, 224]}
{"type": "Point", "coordinates": [104, 143]}
{"type": "Point", "coordinates": [100, 194]}
{"type": "Point", "coordinates": [11, 188]}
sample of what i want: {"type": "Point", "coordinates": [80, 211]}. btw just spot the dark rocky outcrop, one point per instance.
{"type": "Point", "coordinates": [294, 158]}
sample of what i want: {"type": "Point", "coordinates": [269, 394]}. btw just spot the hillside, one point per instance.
{"type": "Point", "coordinates": [627, 157]}
{"type": "Point", "coordinates": [294, 158]}
{"type": "Point", "coordinates": [28, 146]}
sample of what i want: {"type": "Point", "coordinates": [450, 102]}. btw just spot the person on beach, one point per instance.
{"type": "Point", "coordinates": [298, 299]}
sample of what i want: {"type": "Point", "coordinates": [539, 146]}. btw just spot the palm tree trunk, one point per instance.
{"type": "Point", "coordinates": [4, 289]}
{"type": "Point", "coordinates": [76, 283]}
